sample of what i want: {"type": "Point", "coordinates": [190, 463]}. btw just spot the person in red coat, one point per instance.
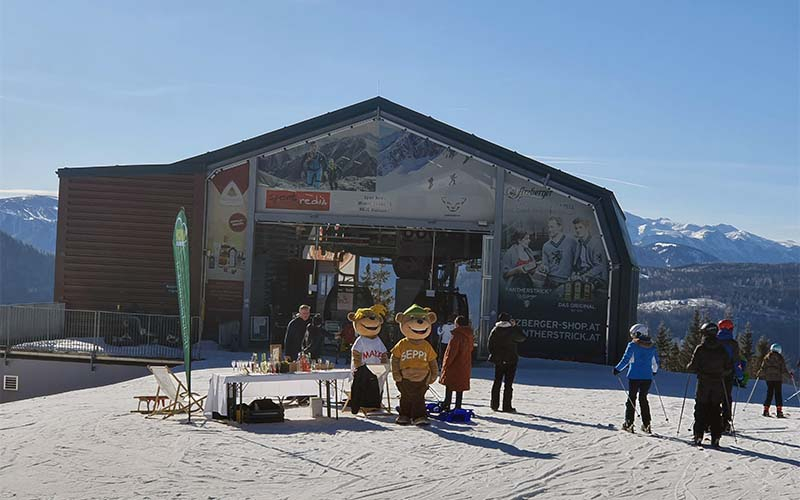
{"type": "Point", "coordinates": [457, 363]}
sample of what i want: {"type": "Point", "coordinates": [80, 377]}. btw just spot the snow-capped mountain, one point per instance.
{"type": "Point", "coordinates": [31, 219]}
{"type": "Point", "coordinates": [665, 243]}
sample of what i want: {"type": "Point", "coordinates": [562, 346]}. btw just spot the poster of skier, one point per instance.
{"type": "Point", "coordinates": [554, 272]}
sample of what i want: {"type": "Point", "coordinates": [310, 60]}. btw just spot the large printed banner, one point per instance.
{"type": "Point", "coordinates": [554, 273]}
{"type": "Point", "coordinates": [227, 222]}
{"type": "Point", "coordinates": [376, 168]}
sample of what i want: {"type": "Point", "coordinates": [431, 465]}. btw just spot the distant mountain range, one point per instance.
{"type": "Point", "coordinates": [657, 242]}
{"type": "Point", "coordinates": [27, 274]}
{"type": "Point", "coordinates": [665, 243]}
{"type": "Point", "coordinates": [31, 220]}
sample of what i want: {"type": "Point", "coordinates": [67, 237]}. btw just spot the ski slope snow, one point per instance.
{"type": "Point", "coordinates": [565, 442]}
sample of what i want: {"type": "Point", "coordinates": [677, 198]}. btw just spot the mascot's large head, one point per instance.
{"type": "Point", "coordinates": [367, 321]}
{"type": "Point", "coordinates": [416, 322]}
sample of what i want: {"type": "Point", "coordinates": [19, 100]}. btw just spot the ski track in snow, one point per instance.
{"type": "Point", "coordinates": [565, 442]}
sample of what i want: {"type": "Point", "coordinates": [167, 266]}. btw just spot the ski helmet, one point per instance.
{"type": "Point", "coordinates": [776, 347]}
{"type": "Point", "coordinates": [639, 330]}
{"type": "Point", "coordinates": [725, 324]}
{"type": "Point", "coordinates": [709, 329]}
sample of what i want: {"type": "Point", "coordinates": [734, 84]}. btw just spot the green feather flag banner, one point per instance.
{"type": "Point", "coordinates": [180, 250]}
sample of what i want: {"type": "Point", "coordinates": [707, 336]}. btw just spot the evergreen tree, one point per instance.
{"type": "Point", "coordinates": [692, 340]}
{"type": "Point", "coordinates": [746, 343]}
{"type": "Point", "coordinates": [663, 346]}
{"type": "Point", "coordinates": [376, 279]}
{"type": "Point", "coordinates": [675, 358]}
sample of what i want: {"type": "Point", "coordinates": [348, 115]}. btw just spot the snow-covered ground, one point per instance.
{"type": "Point", "coordinates": [564, 443]}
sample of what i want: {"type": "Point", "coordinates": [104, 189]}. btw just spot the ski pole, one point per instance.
{"type": "Point", "coordinates": [627, 396]}
{"type": "Point", "coordinates": [685, 391]}
{"type": "Point", "coordinates": [725, 393]}
{"type": "Point", "coordinates": [751, 394]}
{"type": "Point", "coordinates": [796, 392]}
{"type": "Point", "coordinates": [735, 401]}
{"type": "Point", "coordinates": [661, 400]}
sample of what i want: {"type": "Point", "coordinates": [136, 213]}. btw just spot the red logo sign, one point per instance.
{"type": "Point", "coordinates": [237, 222]}
{"type": "Point", "coordinates": [299, 200]}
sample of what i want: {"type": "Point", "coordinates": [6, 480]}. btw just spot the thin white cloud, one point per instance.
{"type": "Point", "coordinates": [12, 193]}
{"type": "Point", "coordinates": [609, 179]}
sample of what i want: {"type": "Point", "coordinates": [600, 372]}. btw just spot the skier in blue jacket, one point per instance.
{"type": "Point", "coordinates": [641, 358]}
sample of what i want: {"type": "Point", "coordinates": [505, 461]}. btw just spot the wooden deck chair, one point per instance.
{"type": "Point", "coordinates": [180, 401]}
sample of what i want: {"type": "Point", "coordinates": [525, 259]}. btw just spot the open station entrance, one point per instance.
{"type": "Point", "coordinates": [338, 268]}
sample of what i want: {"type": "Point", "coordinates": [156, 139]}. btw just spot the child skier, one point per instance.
{"type": "Point", "coordinates": [772, 370]}
{"type": "Point", "coordinates": [642, 359]}
{"type": "Point", "coordinates": [457, 363]}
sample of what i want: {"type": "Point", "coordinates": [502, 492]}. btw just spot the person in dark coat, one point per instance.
{"type": "Point", "coordinates": [503, 341]}
{"type": "Point", "coordinates": [314, 337]}
{"type": "Point", "coordinates": [772, 370]}
{"type": "Point", "coordinates": [296, 331]}
{"type": "Point", "coordinates": [712, 365]}
{"type": "Point", "coordinates": [457, 364]}
{"type": "Point", "coordinates": [725, 337]}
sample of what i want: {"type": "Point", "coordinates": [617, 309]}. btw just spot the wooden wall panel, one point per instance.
{"type": "Point", "coordinates": [115, 241]}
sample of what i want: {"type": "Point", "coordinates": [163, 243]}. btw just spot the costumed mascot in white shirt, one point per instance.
{"type": "Point", "coordinates": [368, 349]}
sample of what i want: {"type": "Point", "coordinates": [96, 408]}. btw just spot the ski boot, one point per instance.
{"type": "Point", "coordinates": [766, 411]}
{"type": "Point", "coordinates": [628, 427]}
{"type": "Point", "coordinates": [715, 442]}
{"type": "Point", "coordinates": [646, 429]}
{"type": "Point", "coordinates": [697, 440]}
{"type": "Point", "coordinates": [780, 413]}
{"type": "Point", "coordinates": [727, 428]}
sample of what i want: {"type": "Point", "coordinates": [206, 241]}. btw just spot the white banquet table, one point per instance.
{"type": "Point", "coordinates": [280, 385]}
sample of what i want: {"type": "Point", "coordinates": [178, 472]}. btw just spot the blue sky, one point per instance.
{"type": "Point", "coordinates": [686, 109]}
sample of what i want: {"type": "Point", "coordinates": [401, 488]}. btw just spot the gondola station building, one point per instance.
{"type": "Point", "coordinates": [371, 203]}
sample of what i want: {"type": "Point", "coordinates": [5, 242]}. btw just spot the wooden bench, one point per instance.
{"type": "Point", "coordinates": [158, 401]}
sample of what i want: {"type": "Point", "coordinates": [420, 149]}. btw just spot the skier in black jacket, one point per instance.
{"type": "Point", "coordinates": [503, 342]}
{"type": "Point", "coordinates": [712, 364]}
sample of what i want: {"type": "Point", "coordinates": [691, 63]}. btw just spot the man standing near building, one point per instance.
{"type": "Point", "coordinates": [590, 258]}
{"type": "Point", "coordinates": [296, 331]}
{"type": "Point", "coordinates": [558, 254]}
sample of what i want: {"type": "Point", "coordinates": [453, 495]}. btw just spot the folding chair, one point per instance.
{"type": "Point", "coordinates": [180, 401]}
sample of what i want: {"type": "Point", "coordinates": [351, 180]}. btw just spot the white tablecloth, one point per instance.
{"type": "Point", "coordinates": [277, 385]}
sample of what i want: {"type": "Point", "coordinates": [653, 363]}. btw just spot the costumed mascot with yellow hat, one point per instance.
{"type": "Point", "coordinates": [368, 349]}
{"type": "Point", "coordinates": [414, 365]}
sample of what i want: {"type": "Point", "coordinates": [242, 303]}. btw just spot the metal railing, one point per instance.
{"type": "Point", "coordinates": [51, 328]}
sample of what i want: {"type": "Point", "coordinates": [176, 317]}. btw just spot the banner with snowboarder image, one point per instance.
{"type": "Point", "coordinates": [554, 273]}
{"type": "Point", "coordinates": [376, 168]}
